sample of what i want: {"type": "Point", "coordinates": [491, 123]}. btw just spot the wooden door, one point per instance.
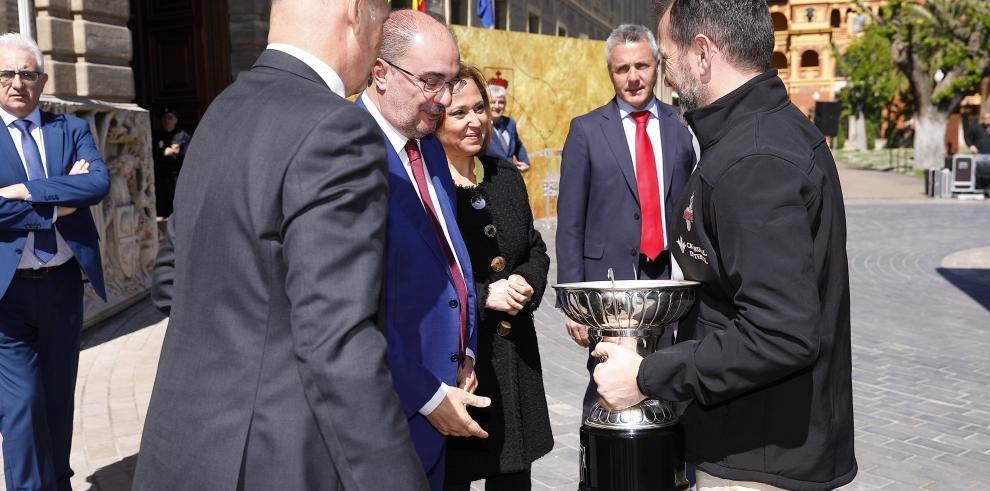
{"type": "Point", "coordinates": [181, 55]}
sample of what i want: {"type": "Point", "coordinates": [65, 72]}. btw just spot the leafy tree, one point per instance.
{"type": "Point", "coordinates": [943, 49]}
{"type": "Point", "coordinates": [873, 80]}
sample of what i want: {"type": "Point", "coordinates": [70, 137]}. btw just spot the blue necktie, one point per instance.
{"type": "Point", "coordinates": [45, 245]}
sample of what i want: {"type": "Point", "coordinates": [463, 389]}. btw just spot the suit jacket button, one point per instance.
{"type": "Point", "coordinates": [635, 216]}
{"type": "Point", "coordinates": [18, 251]}
{"type": "Point", "coordinates": [632, 252]}
{"type": "Point", "coordinates": [454, 358]}
{"type": "Point", "coordinates": [453, 304]}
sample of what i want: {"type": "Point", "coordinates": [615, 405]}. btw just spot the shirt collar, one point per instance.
{"type": "Point", "coordinates": [625, 109]}
{"type": "Point", "coordinates": [761, 93]}
{"type": "Point", "coordinates": [393, 136]}
{"type": "Point", "coordinates": [325, 72]}
{"type": "Point", "coordinates": [34, 117]}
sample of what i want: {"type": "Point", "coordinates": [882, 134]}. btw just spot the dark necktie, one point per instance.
{"type": "Point", "coordinates": [651, 241]}
{"type": "Point", "coordinates": [45, 245]}
{"type": "Point", "coordinates": [416, 163]}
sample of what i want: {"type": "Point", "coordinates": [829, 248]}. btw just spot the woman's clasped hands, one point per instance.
{"type": "Point", "coordinates": [509, 295]}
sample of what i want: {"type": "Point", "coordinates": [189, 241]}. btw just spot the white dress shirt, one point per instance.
{"type": "Point", "coordinates": [28, 259]}
{"type": "Point", "coordinates": [653, 131]}
{"type": "Point", "coordinates": [325, 72]}
{"type": "Point", "coordinates": [398, 142]}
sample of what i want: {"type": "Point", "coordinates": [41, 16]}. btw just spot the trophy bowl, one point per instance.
{"type": "Point", "coordinates": [629, 313]}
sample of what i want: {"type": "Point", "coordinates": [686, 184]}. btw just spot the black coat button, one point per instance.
{"type": "Point", "coordinates": [635, 216]}
{"type": "Point", "coordinates": [454, 358]}
{"type": "Point", "coordinates": [633, 252]}
{"type": "Point", "coordinates": [453, 304]}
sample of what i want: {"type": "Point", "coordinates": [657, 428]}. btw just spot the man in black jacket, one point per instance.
{"type": "Point", "coordinates": [764, 357]}
{"type": "Point", "coordinates": [978, 135]}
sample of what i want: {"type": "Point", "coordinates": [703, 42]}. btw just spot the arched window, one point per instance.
{"type": "Point", "coordinates": [836, 19]}
{"type": "Point", "coordinates": [809, 59]}
{"type": "Point", "coordinates": [779, 21]}
{"type": "Point", "coordinates": [779, 60]}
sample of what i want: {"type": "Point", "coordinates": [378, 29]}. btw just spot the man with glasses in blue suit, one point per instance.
{"type": "Point", "coordinates": [429, 296]}
{"type": "Point", "coordinates": [51, 173]}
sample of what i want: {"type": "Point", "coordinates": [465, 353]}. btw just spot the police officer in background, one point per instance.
{"type": "Point", "coordinates": [169, 148]}
{"type": "Point", "coordinates": [763, 359]}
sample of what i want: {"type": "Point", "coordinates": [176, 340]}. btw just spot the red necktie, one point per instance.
{"type": "Point", "coordinates": [416, 163]}
{"type": "Point", "coordinates": [651, 242]}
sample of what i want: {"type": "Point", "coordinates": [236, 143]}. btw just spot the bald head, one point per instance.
{"type": "Point", "coordinates": [406, 28]}
{"type": "Point", "coordinates": [345, 34]}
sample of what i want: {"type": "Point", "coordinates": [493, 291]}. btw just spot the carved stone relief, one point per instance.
{"type": "Point", "coordinates": [125, 219]}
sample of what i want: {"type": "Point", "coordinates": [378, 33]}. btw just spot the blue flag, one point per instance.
{"type": "Point", "coordinates": [486, 13]}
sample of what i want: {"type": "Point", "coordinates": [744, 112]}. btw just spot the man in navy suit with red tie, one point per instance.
{"type": "Point", "coordinates": [50, 174]}
{"type": "Point", "coordinates": [623, 166]}
{"type": "Point", "coordinates": [430, 305]}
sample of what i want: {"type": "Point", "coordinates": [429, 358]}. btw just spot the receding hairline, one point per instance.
{"type": "Point", "coordinates": [406, 27]}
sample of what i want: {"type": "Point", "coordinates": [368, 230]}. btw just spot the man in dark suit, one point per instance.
{"type": "Point", "coordinates": [430, 305]}
{"type": "Point", "coordinates": [505, 143]}
{"type": "Point", "coordinates": [51, 172]}
{"type": "Point", "coordinates": [623, 166]}
{"type": "Point", "coordinates": [273, 372]}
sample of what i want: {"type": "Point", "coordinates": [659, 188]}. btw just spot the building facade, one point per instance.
{"type": "Point", "coordinates": [807, 35]}
{"type": "Point", "coordinates": [568, 18]}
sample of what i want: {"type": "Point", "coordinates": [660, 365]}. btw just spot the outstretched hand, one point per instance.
{"type": "Point", "coordinates": [451, 418]}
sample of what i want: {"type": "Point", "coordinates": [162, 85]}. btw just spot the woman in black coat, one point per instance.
{"type": "Point", "coordinates": [510, 265]}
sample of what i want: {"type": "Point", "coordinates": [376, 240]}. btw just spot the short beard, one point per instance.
{"type": "Point", "coordinates": [692, 93]}
{"type": "Point", "coordinates": [693, 97]}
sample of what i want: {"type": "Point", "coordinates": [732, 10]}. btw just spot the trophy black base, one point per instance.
{"type": "Point", "coordinates": [632, 460]}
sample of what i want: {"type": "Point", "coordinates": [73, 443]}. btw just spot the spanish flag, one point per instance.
{"type": "Point", "coordinates": [419, 5]}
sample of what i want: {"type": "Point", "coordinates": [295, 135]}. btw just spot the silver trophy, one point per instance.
{"type": "Point", "coordinates": [628, 312]}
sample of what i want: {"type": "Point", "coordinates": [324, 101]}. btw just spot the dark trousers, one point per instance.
{"type": "Point", "coordinates": [648, 270]}
{"type": "Point", "coordinates": [516, 481]}
{"type": "Point", "coordinates": [40, 326]}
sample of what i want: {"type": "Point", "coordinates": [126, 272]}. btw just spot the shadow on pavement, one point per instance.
{"type": "Point", "coordinates": [973, 282]}
{"type": "Point", "coordinates": [133, 319]}
{"type": "Point", "coordinates": [114, 477]}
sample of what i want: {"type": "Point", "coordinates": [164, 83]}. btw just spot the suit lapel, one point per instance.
{"type": "Point", "coordinates": [436, 164]}
{"type": "Point", "coordinates": [615, 136]}
{"type": "Point", "coordinates": [54, 138]}
{"type": "Point", "coordinates": [15, 167]}
{"type": "Point", "coordinates": [408, 203]}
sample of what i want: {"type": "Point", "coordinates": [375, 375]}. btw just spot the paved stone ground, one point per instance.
{"type": "Point", "coordinates": [920, 278]}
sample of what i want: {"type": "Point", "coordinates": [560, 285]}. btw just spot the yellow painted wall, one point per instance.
{"type": "Point", "coordinates": [551, 81]}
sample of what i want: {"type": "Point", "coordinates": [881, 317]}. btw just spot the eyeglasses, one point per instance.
{"type": "Point", "coordinates": [28, 77]}
{"type": "Point", "coordinates": [431, 83]}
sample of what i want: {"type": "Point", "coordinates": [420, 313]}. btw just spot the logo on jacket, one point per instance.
{"type": "Point", "coordinates": [689, 214]}
{"type": "Point", "coordinates": [694, 252]}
